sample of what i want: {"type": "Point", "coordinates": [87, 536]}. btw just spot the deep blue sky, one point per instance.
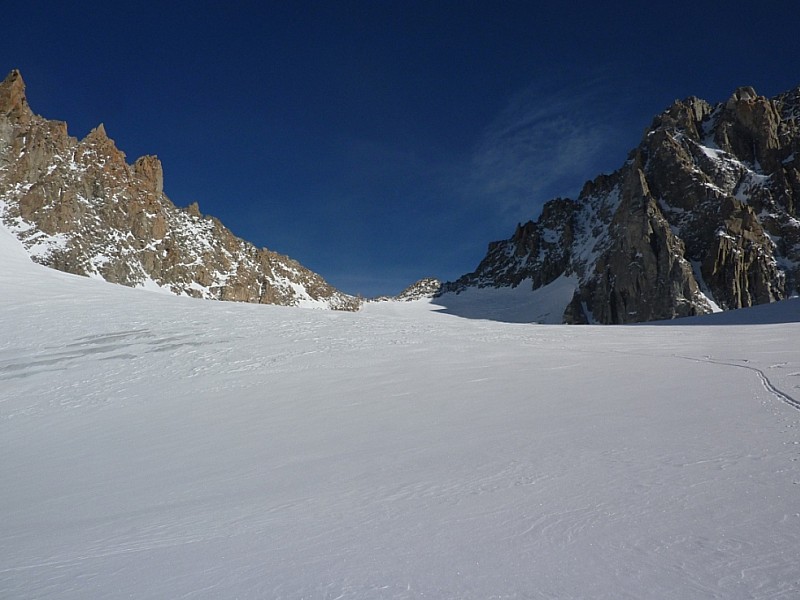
{"type": "Point", "coordinates": [379, 142]}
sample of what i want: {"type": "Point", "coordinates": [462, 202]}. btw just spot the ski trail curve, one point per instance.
{"type": "Point", "coordinates": [768, 385]}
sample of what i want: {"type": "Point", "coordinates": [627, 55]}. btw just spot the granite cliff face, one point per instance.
{"type": "Point", "coordinates": [79, 207]}
{"type": "Point", "coordinates": [703, 216]}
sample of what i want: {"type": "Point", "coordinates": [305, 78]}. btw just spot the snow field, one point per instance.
{"type": "Point", "coordinates": [164, 447]}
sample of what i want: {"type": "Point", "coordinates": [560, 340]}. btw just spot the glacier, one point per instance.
{"type": "Point", "coordinates": [169, 447]}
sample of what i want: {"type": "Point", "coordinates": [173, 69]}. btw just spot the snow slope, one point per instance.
{"type": "Point", "coordinates": [520, 304]}
{"type": "Point", "coordinates": [164, 447]}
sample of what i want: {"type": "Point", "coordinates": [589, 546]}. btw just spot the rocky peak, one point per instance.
{"type": "Point", "coordinates": [748, 127]}
{"type": "Point", "coordinates": [80, 207]}
{"type": "Point", "coordinates": [12, 96]}
{"type": "Point", "coordinates": [193, 210]}
{"type": "Point", "coordinates": [427, 287]}
{"type": "Point", "coordinates": [424, 288]}
{"type": "Point", "coordinates": [745, 93]}
{"type": "Point", "coordinates": [685, 115]}
{"type": "Point", "coordinates": [97, 139]}
{"type": "Point", "coordinates": [97, 135]}
{"type": "Point", "coordinates": [538, 252]}
{"type": "Point", "coordinates": [702, 216]}
{"type": "Point", "coordinates": [150, 171]}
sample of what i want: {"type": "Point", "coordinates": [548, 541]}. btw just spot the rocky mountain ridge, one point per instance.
{"type": "Point", "coordinates": [78, 206]}
{"type": "Point", "coordinates": [427, 287]}
{"type": "Point", "coordinates": [703, 216]}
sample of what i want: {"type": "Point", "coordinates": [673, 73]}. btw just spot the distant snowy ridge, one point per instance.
{"type": "Point", "coordinates": [702, 217]}
{"type": "Point", "coordinates": [426, 287]}
{"type": "Point", "coordinates": [79, 207]}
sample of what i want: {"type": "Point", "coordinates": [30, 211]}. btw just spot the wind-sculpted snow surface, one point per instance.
{"type": "Point", "coordinates": [164, 447]}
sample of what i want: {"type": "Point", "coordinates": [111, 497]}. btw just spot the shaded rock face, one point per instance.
{"type": "Point", "coordinates": [537, 253]}
{"type": "Point", "coordinates": [702, 216]}
{"type": "Point", "coordinates": [78, 206]}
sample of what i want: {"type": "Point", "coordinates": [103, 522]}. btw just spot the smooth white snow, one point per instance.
{"type": "Point", "coordinates": [520, 304]}
{"type": "Point", "coordinates": [165, 447]}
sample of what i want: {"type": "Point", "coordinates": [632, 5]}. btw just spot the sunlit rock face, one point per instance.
{"type": "Point", "coordinates": [78, 206]}
{"type": "Point", "coordinates": [701, 217]}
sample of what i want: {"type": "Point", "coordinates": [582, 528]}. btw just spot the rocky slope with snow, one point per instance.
{"type": "Point", "coordinates": [703, 216]}
{"type": "Point", "coordinates": [427, 287]}
{"type": "Point", "coordinates": [79, 207]}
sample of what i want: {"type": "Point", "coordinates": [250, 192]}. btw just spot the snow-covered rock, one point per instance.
{"type": "Point", "coordinates": [702, 216]}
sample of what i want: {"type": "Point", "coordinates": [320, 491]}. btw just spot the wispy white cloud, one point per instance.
{"type": "Point", "coordinates": [547, 142]}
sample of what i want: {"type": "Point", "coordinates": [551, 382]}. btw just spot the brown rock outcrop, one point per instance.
{"type": "Point", "coordinates": [78, 206]}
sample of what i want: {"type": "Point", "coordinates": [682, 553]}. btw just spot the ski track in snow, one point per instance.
{"type": "Point", "coordinates": [765, 381]}
{"type": "Point", "coordinates": [159, 447]}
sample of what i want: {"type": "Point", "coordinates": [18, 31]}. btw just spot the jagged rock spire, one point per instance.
{"type": "Point", "coordinates": [12, 96]}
